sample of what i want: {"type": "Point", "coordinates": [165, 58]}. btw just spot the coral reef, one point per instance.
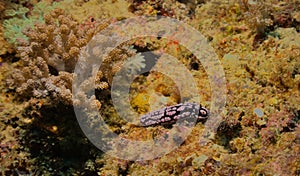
{"type": "Point", "coordinates": [170, 8]}
{"type": "Point", "coordinates": [266, 16]}
{"type": "Point", "coordinates": [258, 46]}
{"type": "Point", "coordinates": [48, 59]}
{"type": "Point", "coordinates": [5, 46]}
{"type": "Point", "coordinates": [20, 17]}
{"type": "Point", "coordinates": [81, 9]}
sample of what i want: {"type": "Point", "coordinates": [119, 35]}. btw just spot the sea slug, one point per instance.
{"type": "Point", "coordinates": [171, 114]}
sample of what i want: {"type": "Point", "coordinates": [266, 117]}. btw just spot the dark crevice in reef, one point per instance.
{"type": "Point", "coordinates": [53, 71]}
{"type": "Point", "coordinates": [194, 66]}
{"type": "Point", "coordinates": [125, 169]}
{"type": "Point", "coordinates": [10, 57]}
{"type": "Point", "coordinates": [226, 132]}
{"type": "Point", "coordinates": [294, 122]}
{"type": "Point", "coordinates": [55, 140]}
{"type": "Point", "coordinates": [192, 5]}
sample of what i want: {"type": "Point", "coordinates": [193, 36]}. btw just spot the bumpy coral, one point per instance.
{"type": "Point", "coordinates": [48, 59]}
{"type": "Point", "coordinates": [19, 17]}
{"type": "Point", "coordinates": [170, 8]}
{"type": "Point", "coordinates": [81, 9]}
{"type": "Point", "coordinates": [264, 17]}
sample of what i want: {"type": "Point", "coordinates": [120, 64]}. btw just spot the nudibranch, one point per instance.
{"type": "Point", "coordinates": [171, 114]}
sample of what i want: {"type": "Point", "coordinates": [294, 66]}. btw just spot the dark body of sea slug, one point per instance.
{"type": "Point", "coordinates": [172, 114]}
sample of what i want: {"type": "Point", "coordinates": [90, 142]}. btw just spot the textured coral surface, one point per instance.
{"type": "Point", "coordinates": [257, 43]}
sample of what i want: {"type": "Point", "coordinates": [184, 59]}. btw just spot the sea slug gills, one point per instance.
{"type": "Point", "coordinates": [171, 114]}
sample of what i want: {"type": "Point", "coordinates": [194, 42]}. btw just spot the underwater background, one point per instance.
{"type": "Point", "coordinates": [257, 43]}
